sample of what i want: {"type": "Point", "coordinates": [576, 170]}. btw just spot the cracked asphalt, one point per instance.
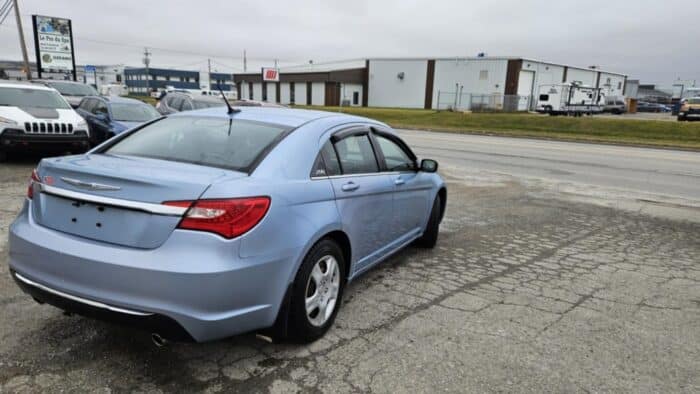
{"type": "Point", "coordinates": [528, 290]}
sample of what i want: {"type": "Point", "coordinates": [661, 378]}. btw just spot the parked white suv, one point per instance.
{"type": "Point", "coordinates": [35, 117]}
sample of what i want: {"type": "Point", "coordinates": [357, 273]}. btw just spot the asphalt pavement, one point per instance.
{"type": "Point", "coordinates": [551, 274]}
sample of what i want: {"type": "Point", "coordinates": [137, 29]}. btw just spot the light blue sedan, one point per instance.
{"type": "Point", "coordinates": [210, 223]}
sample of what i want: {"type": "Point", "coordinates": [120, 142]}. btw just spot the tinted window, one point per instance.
{"type": "Point", "coordinates": [326, 162]}
{"type": "Point", "coordinates": [87, 105]}
{"type": "Point", "coordinates": [201, 104]}
{"type": "Point", "coordinates": [544, 97]}
{"type": "Point", "coordinates": [37, 98]}
{"type": "Point", "coordinates": [185, 105]}
{"type": "Point", "coordinates": [175, 102]}
{"type": "Point", "coordinates": [133, 112]}
{"type": "Point", "coordinates": [396, 158]}
{"type": "Point", "coordinates": [224, 143]}
{"type": "Point", "coordinates": [356, 155]}
{"type": "Point", "coordinates": [100, 108]}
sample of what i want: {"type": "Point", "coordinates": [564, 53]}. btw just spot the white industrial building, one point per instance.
{"type": "Point", "coordinates": [433, 83]}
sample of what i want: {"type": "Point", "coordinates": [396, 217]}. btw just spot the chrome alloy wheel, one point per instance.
{"type": "Point", "coordinates": [322, 290]}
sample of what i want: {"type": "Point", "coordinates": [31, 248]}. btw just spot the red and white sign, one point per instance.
{"type": "Point", "coordinates": [270, 74]}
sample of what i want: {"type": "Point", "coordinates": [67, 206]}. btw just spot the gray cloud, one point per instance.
{"type": "Point", "coordinates": [652, 40]}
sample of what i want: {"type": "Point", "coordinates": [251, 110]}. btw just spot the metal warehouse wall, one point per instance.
{"type": "Point", "coordinates": [473, 76]}
{"type": "Point", "coordinates": [587, 77]}
{"type": "Point", "coordinates": [386, 89]}
{"type": "Point", "coordinates": [611, 84]}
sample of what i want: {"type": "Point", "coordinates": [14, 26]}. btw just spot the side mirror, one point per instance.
{"type": "Point", "coordinates": [428, 165]}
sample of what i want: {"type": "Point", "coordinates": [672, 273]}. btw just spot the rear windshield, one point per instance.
{"type": "Point", "coordinates": [201, 104]}
{"type": "Point", "coordinates": [224, 143]}
{"type": "Point", "coordinates": [73, 89]}
{"type": "Point", "coordinates": [133, 112]}
{"type": "Point", "coordinates": [37, 98]}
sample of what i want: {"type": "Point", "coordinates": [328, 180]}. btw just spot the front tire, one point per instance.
{"type": "Point", "coordinates": [317, 292]}
{"type": "Point", "coordinates": [430, 236]}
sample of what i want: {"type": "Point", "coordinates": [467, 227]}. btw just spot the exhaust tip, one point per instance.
{"type": "Point", "coordinates": [158, 340]}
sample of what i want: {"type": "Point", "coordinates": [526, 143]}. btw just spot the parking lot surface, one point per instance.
{"type": "Point", "coordinates": [530, 289]}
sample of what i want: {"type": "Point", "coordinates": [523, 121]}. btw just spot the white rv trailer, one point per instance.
{"type": "Point", "coordinates": [569, 99]}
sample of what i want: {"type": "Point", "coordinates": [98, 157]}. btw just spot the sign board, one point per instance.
{"type": "Point", "coordinates": [53, 41]}
{"type": "Point", "coordinates": [90, 69]}
{"type": "Point", "coordinates": [270, 74]}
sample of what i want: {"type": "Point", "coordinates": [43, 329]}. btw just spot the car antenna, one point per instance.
{"type": "Point", "coordinates": [231, 110]}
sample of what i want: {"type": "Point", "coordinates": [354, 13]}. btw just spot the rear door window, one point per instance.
{"type": "Point", "coordinates": [214, 142]}
{"type": "Point", "coordinates": [356, 155]}
{"type": "Point", "coordinates": [326, 163]}
{"type": "Point", "coordinates": [185, 105]}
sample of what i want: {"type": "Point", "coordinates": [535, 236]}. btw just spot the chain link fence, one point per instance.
{"type": "Point", "coordinates": [452, 101]}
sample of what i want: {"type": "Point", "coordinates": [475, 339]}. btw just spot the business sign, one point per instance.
{"type": "Point", "coordinates": [53, 41]}
{"type": "Point", "coordinates": [270, 74]}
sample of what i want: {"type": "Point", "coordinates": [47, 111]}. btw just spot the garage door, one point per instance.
{"type": "Point", "coordinates": [525, 82]}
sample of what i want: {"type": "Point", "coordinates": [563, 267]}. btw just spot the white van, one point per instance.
{"type": "Point", "coordinates": [36, 117]}
{"type": "Point", "coordinates": [569, 99]}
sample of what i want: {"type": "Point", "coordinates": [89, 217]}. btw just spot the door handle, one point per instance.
{"type": "Point", "coordinates": [399, 181]}
{"type": "Point", "coordinates": [350, 186]}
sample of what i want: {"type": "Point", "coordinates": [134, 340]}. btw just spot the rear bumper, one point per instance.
{"type": "Point", "coordinates": [11, 140]}
{"type": "Point", "coordinates": [163, 325]}
{"type": "Point", "coordinates": [193, 284]}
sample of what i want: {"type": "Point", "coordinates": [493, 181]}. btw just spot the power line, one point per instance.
{"type": "Point", "coordinates": [152, 47]}
{"type": "Point", "coordinates": [5, 10]}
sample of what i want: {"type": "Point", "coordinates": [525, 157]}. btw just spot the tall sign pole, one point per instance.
{"type": "Point", "coordinates": [147, 62]}
{"type": "Point", "coordinates": [27, 69]}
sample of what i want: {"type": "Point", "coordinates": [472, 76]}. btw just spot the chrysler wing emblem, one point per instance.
{"type": "Point", "coordinates": [89, 185]}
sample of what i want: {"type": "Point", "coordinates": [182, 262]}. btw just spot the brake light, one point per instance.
{"type": "Point", "coordinates": [228, 218]}
{"type": "Point", "coordinates": [30, 187]}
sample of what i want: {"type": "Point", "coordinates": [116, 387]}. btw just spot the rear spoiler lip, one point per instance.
{"type": "Point", "coordinates": [157, 209]}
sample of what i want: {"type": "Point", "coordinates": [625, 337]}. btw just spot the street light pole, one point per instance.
{"type": "Point", "coordinates": [27, 69]}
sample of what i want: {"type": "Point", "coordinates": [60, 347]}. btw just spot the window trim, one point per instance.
{"type": "Point", "coordinates": [402, 145]}
{"type": "Point", "coordinates": [370, 130]}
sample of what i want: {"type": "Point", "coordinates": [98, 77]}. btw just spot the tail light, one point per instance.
{"type": "Point", "coordinates": [228, 218]}
{"type": "Point", "coordinates": [30, 187]}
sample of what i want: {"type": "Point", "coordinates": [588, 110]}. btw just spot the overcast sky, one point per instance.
{"type": "Point", "coordinates": [656, 41]}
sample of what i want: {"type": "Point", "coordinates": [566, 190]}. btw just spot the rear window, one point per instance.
{"type": "Point", "coordinates": [133, 112]}
{"type": "Point", "coordinates": [224, 143]}
{"type": "Point", "coordinates": [694, 101]}
{"type": "Point", "coordinates": [73, 89]}
{"type": "Point", "coordinates": [544, 97]}
{"type": "Point", "coordinates": [37, 98]}
{"type": "Point", "coordinates": [201, 104]}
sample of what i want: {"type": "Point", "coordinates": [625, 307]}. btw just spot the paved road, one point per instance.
{"type": "Point", "coordinates": [638, 171]}
{"type": "Point", "coordinates": [526, 291]}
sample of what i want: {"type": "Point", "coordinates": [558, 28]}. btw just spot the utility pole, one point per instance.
{"type": "Point", "coordinates": [245, 62]}
{"type": "Point", "coordinates": [275, 64]}
{"type": "Point", "coordinates": [27, 69]}
{"type": "Point", "coordinates": [209, 67]}
{"type": "Point", "coordinates": [147, 62]}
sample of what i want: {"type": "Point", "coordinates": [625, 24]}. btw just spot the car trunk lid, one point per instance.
{"type": "Point", "coordinates": [118, 199]}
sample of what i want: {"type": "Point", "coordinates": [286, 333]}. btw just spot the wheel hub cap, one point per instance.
{"type": "Point", "coordinates": [322, 290]}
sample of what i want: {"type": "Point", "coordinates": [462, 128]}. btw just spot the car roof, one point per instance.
{"type": "Point", "coordinates": [24, 85]}
{"type": "Point", "coordinates": [278, 115]}
{"type": "Point", "coordinates": [120, 100]}
{"type": "Point", "coordinates": [58, 80]}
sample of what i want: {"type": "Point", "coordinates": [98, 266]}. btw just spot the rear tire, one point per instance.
{"type": "Point", "coordinates": [309, 324]}
{"type": "Point", "coordinates": [432, 229]}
